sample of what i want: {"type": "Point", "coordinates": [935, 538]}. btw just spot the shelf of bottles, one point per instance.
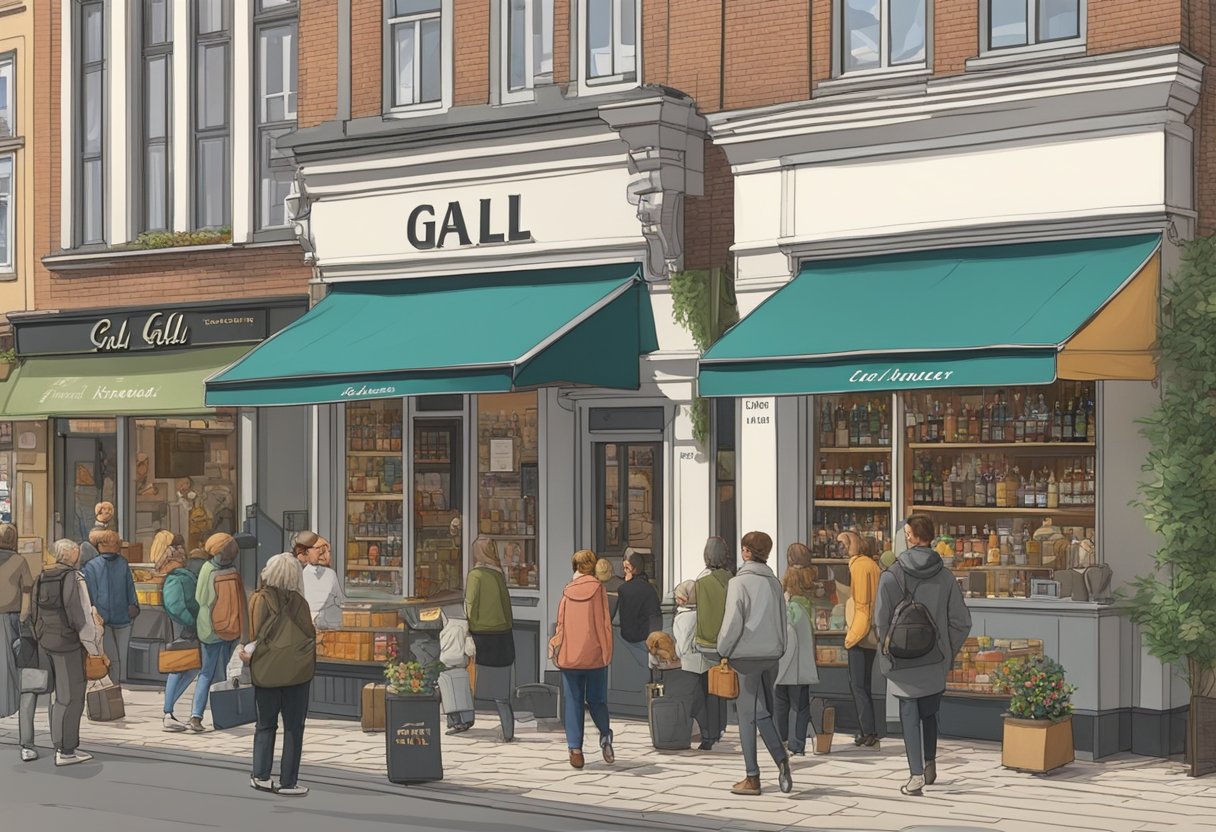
{"type": "Point", "coordinates": [852, 461]}
{"type": "Point", "coordinates": [996, 468]}
{"type": "Point", "coordinates": [508, 483]}
{"type": "Point", "coordinates": [438, 533]}
{"type": "Point", "coordinates": [374, 498]}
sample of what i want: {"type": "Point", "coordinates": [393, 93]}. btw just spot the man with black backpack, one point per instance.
{"type": "Point", "coordinates": [922, 622]}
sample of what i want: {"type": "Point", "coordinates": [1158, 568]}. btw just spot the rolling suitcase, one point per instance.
{"type": "Point", "coordinates": [231, 706]}
{"type": "Point", "coordinates": [103, 701]}
{"type": "Point", "coordinates": [670, 722]}
{"type": "Point", "coordinates": [371, 711]}
{"type": "Point", "coordinates": [455, 691]}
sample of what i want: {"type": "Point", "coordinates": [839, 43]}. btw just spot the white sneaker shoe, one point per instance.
{"type": "Point", "coordinates": [62, 759]}
{"type": "Point", "coordinates": [172, 725]}
{"type": "Point", "coordinates": [293, 791]}
{"type": "Point", "coordinates": [28, 755]}
{"type": "Point", "coordinates": [914, 786]}
{"type": "Point", "coordinates": [261, 785]}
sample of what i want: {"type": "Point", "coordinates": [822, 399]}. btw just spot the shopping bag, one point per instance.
{"type": "Point", "coordinates": [35, 680]}
{"type": "Point", "coordinates": [724, 681]}
{"type": "Point", "coordinates": [103, 701]}
{"type": "Point", "coordinates": [232, 707]}
{"type": "Point", "coordinates": [237, 671]}
{"type": "Point", "coordinates": [179, 656]}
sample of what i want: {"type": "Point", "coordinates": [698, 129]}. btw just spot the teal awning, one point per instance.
{"type": "Point", "coordinates": [965, 317]}
{"type": "Point", "coordinates": [485, 333]}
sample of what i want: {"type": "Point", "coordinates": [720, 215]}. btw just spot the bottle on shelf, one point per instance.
{"type": "Point", "coordinates": [827, 426]}
{"type": "Point", "coordinates": [884, 425]}
{"type": "Point", "coordinates": [842, 426]}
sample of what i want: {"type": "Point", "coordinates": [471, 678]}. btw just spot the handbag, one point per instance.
{"type": "Point", "coordinates": [35, 680]}
{"type": "Point", "coordinates": [96, 667]}
{"type": "Point", "coordinates": [180, 656]}
{"type": "Point", "coordinates": [724, 681]}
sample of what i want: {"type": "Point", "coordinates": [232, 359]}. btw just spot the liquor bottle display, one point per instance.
{"type": "Point", "coordinates": [438, 532]}
{"type": "Point", "coordinates": [852, 468]}
{"type": "Point", "coordinates": [374, 499]}
{"type": "Point", "coordinates": [995, 468]}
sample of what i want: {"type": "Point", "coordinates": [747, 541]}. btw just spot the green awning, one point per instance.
{"type": "Point", "coordinates": [484, 333]}
{"type": "Point", "coordinates": [127, 384]}
{"type": "Point", "coordinates": [965, 317]}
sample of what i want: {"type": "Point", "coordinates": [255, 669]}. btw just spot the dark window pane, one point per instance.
{"type": "Point", "coordinates": [907, 32]}
{"type": "Point", "coordinates": [212, 86]}
{"type": "Point", "coordinates": [91, 199]}
{"type": "Point", "coordinates": [862, 33]}
{"type": "Point", "coordinates": [94, 47]}
{"type": "Point", "coordinates": [212, 182]}
{"type": "Point", "coordinates": [92, 112]}
{"type": "Point", "coordinates": [156, 75]}
{"type": "Point", "coordinates": [542, 37]}
{"type": "Point", "coordinates": [1059, 19]}
{"type": "Point", "coordinates": [156, 21]}
{"type": "Point", "coordinates": [599, 38]}
{"type": "Point", "coordinates": [1006, 23]}
{"type": "Point", "coordinates": [517, 34]}
{"type": "Point", "coordinates": [404, 7]}
{"type": "Point", "coordinates": [403, 64]}
{"type": "Point", "coordinates": [628, 37]}
{"type": "Point", "coordinates": [212, 16]}
{"type": "Point", "coordinates": [432, 66]}
{"type": "Point", "coordinates": [156, 184]}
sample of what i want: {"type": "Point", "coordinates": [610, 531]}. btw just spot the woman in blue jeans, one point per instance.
{"type": "Point", "coordinates": [222, 618]}
{"type": "Point", "coordinates": [182, 608]}
{"type": "Point", "coordinates": [582, 649]}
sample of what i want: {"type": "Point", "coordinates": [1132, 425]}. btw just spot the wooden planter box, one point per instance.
{"type": "Point", "coordinates": [6, 370]}
{"type": "Point", "coordinates": [412, 751]}
{"type": "Point", "coordinates": [1037, 745]}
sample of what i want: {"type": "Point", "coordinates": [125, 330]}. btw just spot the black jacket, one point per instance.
{"type": "Point", "coordinates": [638, 609]}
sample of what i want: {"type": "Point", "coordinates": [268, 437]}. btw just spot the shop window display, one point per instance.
{"type": "Point", "coordinates": [88, 465]}
{"type": "Point", "coordinates": [508, 482]}
{"type": "Point", "coordinates": [374, 498]}
{"type": "Point", "coordinates": [975, 666]}
{"type": "Point", "coordinates": [438, 500]}
{"type": "Point", "coordinates": [852, 471]}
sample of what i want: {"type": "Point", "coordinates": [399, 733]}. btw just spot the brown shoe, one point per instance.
{"type": "Point", "coordinates": [606, 747]}
{"type": "Point", "coordinates": [576, 757]}
{"type": "Point", "coordinates": [748, 785]}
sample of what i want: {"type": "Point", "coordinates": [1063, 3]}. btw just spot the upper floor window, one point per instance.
{"type": "Point", "coordinates": [157, 64]}
{"type": "Point", "coordinates": [277, 47]}
{"type": "Point", "coordinates": [90, 109]}
{"type": "Point", "coordinates": [609, 34]}
{"type": "Point", "coordinates": [1024, 23]}
{"type": "Point", "coordinates": [6, 213]}
{"type": "Point", "coordinates": [415, 50]}
{"type": "Point", "coordinates": [527, 45]}
{"type": "Point", "coordinates": [882, 34]}
{"type": "Point", "coordinates": [8, 127]}
{"type": "Point", "coordinates": [212, 114]}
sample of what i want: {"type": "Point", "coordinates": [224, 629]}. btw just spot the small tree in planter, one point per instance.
{"type": "Point", "coordinates": [1038, 726]}
{"type": "Point", "coordinates": [411, 721]}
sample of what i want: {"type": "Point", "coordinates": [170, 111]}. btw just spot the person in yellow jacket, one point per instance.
{"type": "Point", "coordinates": [860, 640]}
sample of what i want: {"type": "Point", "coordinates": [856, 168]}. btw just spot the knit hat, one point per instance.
{"type": "Point", "coordinates": [221, 543]}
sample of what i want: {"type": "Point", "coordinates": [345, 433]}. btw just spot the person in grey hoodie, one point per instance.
{"type": "Point", "coordinates": [919, 683]}
{"type": "Point", "coordinates": [752, 637]}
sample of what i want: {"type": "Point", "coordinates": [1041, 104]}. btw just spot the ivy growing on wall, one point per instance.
{"type": "Point", "coordinates": [1175, 604]}
{"type": "Point", "coordinates": [703, 303]}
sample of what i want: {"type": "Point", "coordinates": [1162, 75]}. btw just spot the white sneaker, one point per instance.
{"type": "Point", "coordinates": [172, 725]}
{"type": "Point", "coordinates": [261, 785]}
{"type": "Point", "coordinates": [914, 786]}
{"type": "Point", "coordinates": [293, 791]}
{"type": "Point", "coordinates": [62, 759]}
{"type": "Point", "coordinates": [28, 755]}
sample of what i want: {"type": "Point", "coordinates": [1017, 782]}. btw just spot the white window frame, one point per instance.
{"type": "Point", "coordinates": [8, 267]}
{"type": "Point", "coordinates": [1033, 46]}
{"type": "Point", "coordinates": [503, 28]}
{"type": "Point", "coordinates": [283, 14]}
{"type": "Point", "coordinates": [8, 71]}
{"type": "Point", "coordinates": [884, 68]}
{"type": "Point", "coordinates": [446, 43]}
{"type": "Point", "coordinates": [611, 83]}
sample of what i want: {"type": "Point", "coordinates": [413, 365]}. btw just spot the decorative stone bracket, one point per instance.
{"type": "Point", "coordinates": [299, 209]}
{"type": "Point", "coordinates": [666, 139]}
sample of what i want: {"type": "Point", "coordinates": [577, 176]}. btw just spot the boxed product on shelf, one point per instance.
{"type": "Point", "coordinates": [977, 663]}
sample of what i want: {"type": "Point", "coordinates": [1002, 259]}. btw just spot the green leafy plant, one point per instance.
{"type": "Point", "coordinates": [178, 239]}
{"type": "Point", "coordinates": [1175, 604]}
{"type": "Point", "coordinates": [410, 678]}
{"type": "Point", "coordinates": [703, 303]}
{"type": "Point", "coordinates": [8, 356]}
{"type": "Point", "coordinates": [1036, 688]}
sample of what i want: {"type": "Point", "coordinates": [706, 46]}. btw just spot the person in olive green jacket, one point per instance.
{"type": "Point", "coordinates": [488, 606]}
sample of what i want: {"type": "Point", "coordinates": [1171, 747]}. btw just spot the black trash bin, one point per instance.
{"type": "Point", "coordinates": [412, 750]}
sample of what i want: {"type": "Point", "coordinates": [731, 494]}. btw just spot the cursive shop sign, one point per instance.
{"type": "Point", "coordinates": [430, 228]}
{"type": "Point", "coordinates": [896, 376]}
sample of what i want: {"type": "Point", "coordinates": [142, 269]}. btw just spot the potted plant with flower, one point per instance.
{"type": "Point", "coordinates": [1038, 726]}
{"type": "Point", "coordinates": [8, 360]}
{"type": "Point", "coordinates": [411, 721]}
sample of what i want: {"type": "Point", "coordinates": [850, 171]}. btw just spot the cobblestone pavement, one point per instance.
{"type": "Point", "coordinates": [848, 789]}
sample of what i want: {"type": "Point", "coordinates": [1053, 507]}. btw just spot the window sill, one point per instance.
{"type": "Point", "coordinates": [873, 81]}
{"type": "Point", "coordinates": [1023, 55]}
{"type": "Point", "coordinates": [601, 86]}
{"type": "Point", "coordinates": [11, 143]}
{"type": "Point", "coordinates": [416, 111]}
{"type": "Point", "coordinates": [96, 257]}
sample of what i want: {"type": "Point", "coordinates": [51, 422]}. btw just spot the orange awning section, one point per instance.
{"type": "Point", "coordinates": [1119, 341]}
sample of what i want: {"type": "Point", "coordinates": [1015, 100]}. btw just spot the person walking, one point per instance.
{"type": "Point", "coordinates": [796, 671]}
{"type": "Point", "coordinates": [710, 719]}
{"type": "Point", "coordinates": [16, 581]}
{"type": "Point", "coordinates": [861, 640]}
{"type": "Point", "coordinates": [112, 589]}
{"type": "Point", "coordinates": [753, 638]}
{"type": "Point", "coordinates": [711, 606]}
{"type": "Point", "coordinates": [282, 664]}
{"type": "Point", "coordinates": [488, 607]}
{"type": "Point", "coordinates": [63, 622]}
{"type": "Point", "coordinates": [581, 648]}
{"type": "Point", "coordinates": [611, 581]}
{"type": "Point", "coordinates": [222, 620]}
{"type": "Point", "coordinates": [638, 608]}
{"type": "Point", "coordinates": [918, 575]}
{"type": "Point", "coordinates": [179, 590]}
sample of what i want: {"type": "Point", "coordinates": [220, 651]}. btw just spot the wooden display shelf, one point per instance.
{"type": "Point", "coordinates": [374, 453]}
{"type": "Point", "coordinates": [852, 503]}
{"type": "Point", "coordinates": [353, 568]}
{"type": "Point", "coordinates": [508, 536]}
{"type": "Point", "coordinates": [974, 694]}
{"type": "Point", "coordinates": [1042, 512]}
{"type": "Point", "coordinates": [418, 462]}
{"type": "Point", "coordinates": [923, 446]}
{"type": "Point", "coordinates": [830, 632]}
{"type": "Point", "coordinates": [856, 449]}
{"type": "Point", "coordinates": [370, 663]}
{"type": "Point", "coordinates": [991, 568]}
{"type": "Point", "coordinates": [363, 630]}
{"type": "Point", "coordinates": [350, 495]}
{"type": "Point", "coordinates": [830, 561]}
{"type": "Point", "coordinates": [362, 539]}
{"type": "Point", "coordinates": [831, 664]}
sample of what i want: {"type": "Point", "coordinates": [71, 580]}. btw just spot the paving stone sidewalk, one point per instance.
{"type": "Point", "coordinates": [848, 789]}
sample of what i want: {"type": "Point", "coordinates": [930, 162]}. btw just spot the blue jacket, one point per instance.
{"type": "Point", "coordinates": [111, 588]}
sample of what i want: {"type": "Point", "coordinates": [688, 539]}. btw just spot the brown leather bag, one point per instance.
{"type": "Point", "coordinates": [96, 667]}
{"type": "Point", "coordinates": [179, 656]}
{"type": "Point", "coordinates": [724, 681]}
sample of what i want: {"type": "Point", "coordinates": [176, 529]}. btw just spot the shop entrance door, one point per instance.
{"type": "Point", "coordinates": [628, 495]}
{"type": "Point", "coordinates": [88, 474]}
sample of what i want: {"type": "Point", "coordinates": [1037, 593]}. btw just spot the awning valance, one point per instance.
{"type": "Point", "coordinates": [127, 384]}
{"type": "Point", "coordinates": [966, 317]}
{"type": "Point", "coordinates": [471, 334]}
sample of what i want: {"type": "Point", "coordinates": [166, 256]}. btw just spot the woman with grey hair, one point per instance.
{"type": "Point", "coordinates": [65, 627]}
{"type": "Point", "coordinates": [282, 658]}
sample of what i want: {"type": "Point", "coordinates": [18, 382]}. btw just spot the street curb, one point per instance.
{"type": "Point", "coordinates": [448, 794]}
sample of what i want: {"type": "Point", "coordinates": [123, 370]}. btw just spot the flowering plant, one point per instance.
{"type": "Point", "coordinates": [1036, 687]}
{"type": "Point", "coordinates": [410, 678]}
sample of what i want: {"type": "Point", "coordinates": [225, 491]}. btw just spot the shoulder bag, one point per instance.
{"type": "Point", "coordinates": [180, 656]}
{"type": "Point", "coordinates": [96, 667]}
{"type": "Point", "coordinates": [724, 681]}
